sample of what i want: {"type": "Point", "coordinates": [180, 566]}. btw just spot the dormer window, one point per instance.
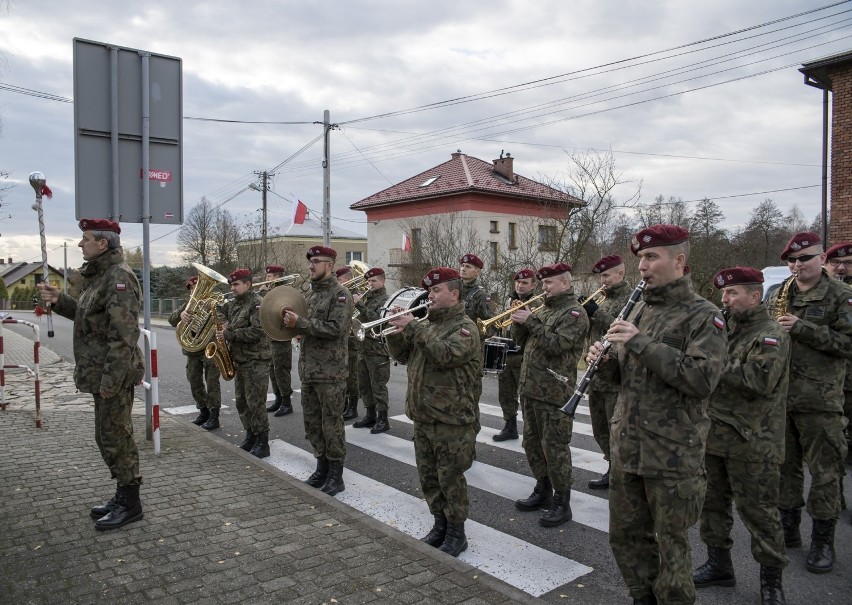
{"type": "Point", "coordinates": [429, 181]}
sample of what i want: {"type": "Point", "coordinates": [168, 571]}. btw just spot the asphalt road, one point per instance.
{"type": "Point", "coordinates": [575, 541]}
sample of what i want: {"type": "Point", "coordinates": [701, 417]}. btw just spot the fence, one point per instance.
{"type": "Point", "coordinates": [160, 307]}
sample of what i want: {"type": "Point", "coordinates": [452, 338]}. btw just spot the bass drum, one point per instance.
{"type": "Point", "coordinates": [406, 298]}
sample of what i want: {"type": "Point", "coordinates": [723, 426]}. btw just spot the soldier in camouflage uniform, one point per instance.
{"type": "Point", "coordinates": [323, 367]}
{"type": "Point", "coordinates": [508, 380]}
{"type": "Point", "coordinates": [839, 266]}
{"type": "Point", "coordinates": [281, 363]}
{"type": "Point", "coordinates": [745, 446]}
{"type": "Point", "coordinates": [603, 393]}
{"type": "Point", "coordinates": [444, 360]}
{"type": "Point", "coordinates": [373, 361]}
{"type": "Point", "coordinates": [201, 373]}
{"type": "Point", "coordinates": [350, 408]}
{"type": "Point", "coordinates": [552, 338]}
{"type": "Point", "coordinates": [668, 356]}
{"type": "Point", "coordinates": [108, 360]}
{"type": "Point", "coordinates": [249, 350]}
{"type": "Point", "coordinates": [819, 320]}
{"type": "Point", "coordinates": [477, 302]}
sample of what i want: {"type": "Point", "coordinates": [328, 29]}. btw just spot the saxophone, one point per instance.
{"type": "Point", "coordinates": [217, 349]}
{"type": "Point", "coordinates": [779, 309]}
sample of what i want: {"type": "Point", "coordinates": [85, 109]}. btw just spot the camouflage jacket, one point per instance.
{"type": "Point", "coordinates": [477, 303]}
{"type": "Point", "coordinates": [667, 372]}
{"type": "Point", "coordinates": [616, 298]}
{"type": "Point", "coordinates": [444, 357]}
{"type": "Point", "coordinates": [324, 352]}
{"type": "Point", "coordinates": [822, 342]}
{"type": "Point", "coordinates": [106, 325]}
{"type": "Point", "coordinates": [370, 309]}
{"type": "Point", "coordinates": [847, 384]}
{"type": "Point", "coordinates": [554, 338]}
{"type": "Point", "coordinates": [244, 335]}
{"type": "Point", "coordinates": [748, 409]}
{"type": "Point", "coordinates": [174, 320]}
{"type": "Point", "coordinates": [352, 342]}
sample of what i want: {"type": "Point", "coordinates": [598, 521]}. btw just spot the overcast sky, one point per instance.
{"type": "Point", "coordinates": [287, 61]}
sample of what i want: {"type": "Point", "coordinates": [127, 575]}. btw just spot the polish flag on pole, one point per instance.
{"type": "Point", "coordinates": [300, 212]}
{"type": "Point", "coordinates": [406, 242]}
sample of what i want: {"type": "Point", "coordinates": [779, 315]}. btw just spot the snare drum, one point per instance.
{"type": "Point", "coordinates": [496, 349]}
{"type": "Point", "coordinates": [406, 298]}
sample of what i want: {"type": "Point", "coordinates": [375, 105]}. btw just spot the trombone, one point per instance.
{"type": "Point", "coordinates": [287, 279]}
{"type": "Point", "coordinates": [361, 329]}
{"type": "Point", "coordinates": [504, 319]}
{"type": "Point", "coordinates": [598, 296]}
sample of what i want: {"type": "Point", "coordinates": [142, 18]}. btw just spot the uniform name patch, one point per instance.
{"type": "Point", "coordinates": [719, 322]}
{"type": "Point", "coordinates": [465, 332]}
{"type": "Point", "coordinates": [575, 313]}
{"type": "Point", "coordinates": [768, 340]}
{"type": "Point", "coordinates": [121, 287]}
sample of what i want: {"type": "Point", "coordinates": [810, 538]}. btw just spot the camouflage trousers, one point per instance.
{"type": "Point", "coordinates": [443, 453]}
{"type": "Point", "coordinates": [322, 408]}
{"type": "Point", "coordinates": [547, 438]}
{"type": "Point", "coordinates": [352, 375]}
{"type": "Point", "coordinates": [280, 367]}
{"type": "Point", "coordinates": [648, 523]}
{"type": "Point", "coordinates": [753, 486]}
{"type": "Point", "coordinates": [508, 382]}
{"type": "Point", "coordinates": [817, 439]}
{"type": "Point", "coordinates": [250, 386]}
{"type": "Point", "coordinates": [601, 407]}
{"type": "Point", "coordinates": [203, 377]}
{"type": "Point", "coordinates": [114, 436]}
{"type": "Point", "coordinates": [373, 377]}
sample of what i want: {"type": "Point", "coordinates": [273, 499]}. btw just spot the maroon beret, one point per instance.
{"type": "Point", "coordinates": [735, 276]}
{"type": "Point", "coordinates": [343, 270]}
{"type": "Point", "coordinates": [472, 259]}
{"type": "Point", "coordinates": [238, 275]}
{"type": "Point", "coordinates": [274, 269]}
{"type": "Point", "coordinates": [374, 272]}
{"type": "Point", "coordinates": [321, 251]}
{"type": "Point", "coordinates": [191, 282]}
{"type": "Point", "coordinates": [838, 250]}
{"type": "Point", "coordinates": [553, 270]}
{"type": "Point", "coordinates": [439, 275]}
{"type": "Point", "coordinates": [524, 274]}
{"type": "Point", "coordinates": [658, 235]}
{"type": "Point", "coordinates": [99, 224]}
{"type": "Point", "coordinates": [607, 263]}
{"type": "Point", "coordinates": [804, 239]}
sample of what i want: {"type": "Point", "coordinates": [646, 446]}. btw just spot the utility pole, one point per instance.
{"type": "Point", "coordinates": [327, 126]}
{"type": "Point", "coordinates": [65, 270]}
{"type": "Point", "coordinates": [264, 175]}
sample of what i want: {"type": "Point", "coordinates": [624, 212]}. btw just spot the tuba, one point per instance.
{"type": "Point", "coordinates": [193, 335]}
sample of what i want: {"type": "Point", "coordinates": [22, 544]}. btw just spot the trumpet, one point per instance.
{"type": "Point", "coordinates": [598, 296]}
{"type": "Point", "coordinates": [504, 319]}
{"type": "Point", "coordinates": [361, 329]}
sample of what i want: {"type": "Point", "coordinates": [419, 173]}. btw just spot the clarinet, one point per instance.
{"type": "Point", "coordinates": [570, 408]}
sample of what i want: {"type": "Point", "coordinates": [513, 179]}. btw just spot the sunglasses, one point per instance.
{"type": "Point", "coordinates": [802, 259]}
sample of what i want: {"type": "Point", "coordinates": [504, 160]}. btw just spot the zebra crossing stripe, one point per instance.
{"type": "Point", "coordinates": [184, 410]}
{"type": "Point", "coordinates": [525, 566]}
{"type": "Point", "coordinates": [496, 410]}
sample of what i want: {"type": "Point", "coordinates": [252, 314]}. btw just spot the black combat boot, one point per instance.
{"type": "Point", "coordinates": [351, 409]}
{"type": "Point", "coordinates": [275, 406]}
{"type": "Point", "coordinates": [334, 481]}
{"type": "Point", "coordinates": [261, 446]}
{"type": "Point", "coordinates": [821, 557]}
{"type": "Point", "coordinates": [455, 542]}
{"type": "Point", "coordinates": [648, 599]}
{"type": "Point", "coordinates": [717, 570]}
{"type": "Point", "coordinates": [367, 421]}
{"type": "Point", "coordinates": [318, 477]}
{"type": "Point", "coordinates": [212, 422]}
{"type": "Point", "coordinates": [203, 415]}
{"type": "Point", "coordinates": [249, 441]}
{"type": "Point", "coordinates": [510, 430]}
{"type": "Point", "coordinates": [128, 509]}
{"type": "Point", "coordinates": [602, 483]}
{"type": "Point", "coordinates": [382, 425]}
{"type": "Point", "coordinates": [285, 408]}
{"type": "Point", "coordinates": [106, 508]}
{"type": "Point", "coordinates": [436, 535]}
{"type": "Point", "coordinates": [559, 512]}
{"type": "Point", "coordinates": [790, 520]}
{"type": "Point", "coordinates": [771, 589]}
{"type": "Point", "coordinates": [541, 497]}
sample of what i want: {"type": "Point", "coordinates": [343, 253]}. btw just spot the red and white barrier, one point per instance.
{"type": "Point", "coordinates": [31, 371]}
{"type": "Point", "coordinates": [153, 387]}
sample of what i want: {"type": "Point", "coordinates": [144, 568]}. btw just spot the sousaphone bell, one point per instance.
{"type": "Point", "coordinates": [276, 302]}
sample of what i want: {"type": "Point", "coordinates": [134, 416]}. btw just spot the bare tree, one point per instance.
{"type": "Point", "coordinates": [195, 239]}
{"type": "Point", "coordinates": [671, 211]}
{"type": "Point", "coordinates": [226, 234]}
{"type": "Point", "coordinates": [439, 240]}
{"type": "Point", "coordinates": [763, 235]}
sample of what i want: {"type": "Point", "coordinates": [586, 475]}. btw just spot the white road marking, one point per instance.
{"type": "Point", "coordinates": [184, 409]}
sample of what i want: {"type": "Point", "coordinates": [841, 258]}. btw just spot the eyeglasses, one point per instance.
{"type": "Point", "coordinates": [316, 261]}
{"type": "Point", "coordinates": [791, 260]}
{"type": "Point", "coordinates": [836, 262]}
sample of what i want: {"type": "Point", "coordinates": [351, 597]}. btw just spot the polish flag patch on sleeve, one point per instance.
{"type": "Point", "coordinates": [121, 287]}
{"type": "Point", "coordinates": [719, 322]}
{"type": "Point", "coordinates": [849, 301]}
{"type": "Point", "coordinates": [465, 332]}
{"type": "Point", "coordinates": [770, 341]}
{"type": "Point", "coordinates": [341, 298]}
{"type": "Point", "coordinates": [575, 313]}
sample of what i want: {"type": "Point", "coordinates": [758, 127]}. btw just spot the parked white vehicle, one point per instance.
{"type": "Point", "coordinates": [773, 277]}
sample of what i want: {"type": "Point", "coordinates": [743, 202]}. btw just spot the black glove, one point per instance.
{"type": "Point", "coordinates": [590, 307]}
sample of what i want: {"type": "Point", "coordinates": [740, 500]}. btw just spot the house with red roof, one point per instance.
{"type": "Point", "coordinates": [490, 195]}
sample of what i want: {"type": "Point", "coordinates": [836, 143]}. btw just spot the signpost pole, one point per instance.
{"type": "Point", "coordinates": [146, 229]}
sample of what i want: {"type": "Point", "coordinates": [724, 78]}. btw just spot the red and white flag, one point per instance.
{"type": "Point", "coordinates": [300, 212]}
{"type": "Point", "coordinates": [406, 242]}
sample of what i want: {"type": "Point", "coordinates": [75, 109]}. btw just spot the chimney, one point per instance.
{"type": "Point", "coordinates": [456, 154]}
{"type": "Point", "coordinates": [10, 260]}
{"type": "Point", "coordinates": [503, 166]}
{"type": "Point", "coordinates": [2, 261]}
